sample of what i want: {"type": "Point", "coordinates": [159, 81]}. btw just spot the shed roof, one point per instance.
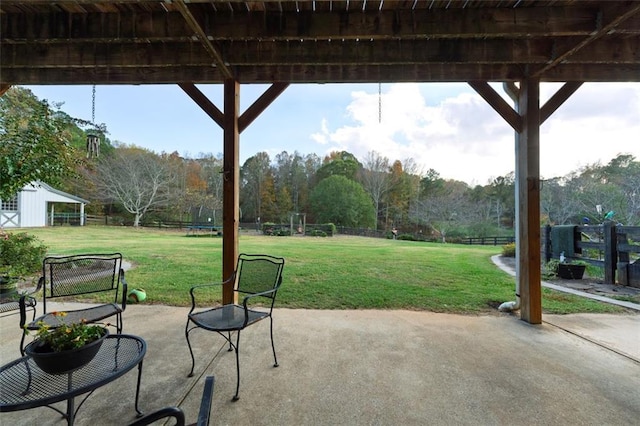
{"type": "Point", "coordinates": [61, 196]}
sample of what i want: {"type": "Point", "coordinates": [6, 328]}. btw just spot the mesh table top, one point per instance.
{"type": "Point", "coordinates": [24, 385]}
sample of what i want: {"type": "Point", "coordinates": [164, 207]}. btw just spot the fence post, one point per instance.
{"type": "Point", "coordinates": [610, 252]}
{"type": "Point", "coordinates": [622, 266]}
{"type": "Point", "coordinates": [547, 243]}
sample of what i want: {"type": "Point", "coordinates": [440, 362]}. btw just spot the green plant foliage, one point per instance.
{"type": "Point", "coordinates": [67, 336]}
{"type": "Point", "coordinates": [340, 164]}
{"type": "Point", "coordinates": [20, 254]}
{"type": "Point", "coordinates": [34, 142]}
{"type": "Point", "coordinates": [509, 250]}
{"type": "Point", "coordinates": [343, 202]}
{"type": "Point", "coordinates": [550, 269]}
{"type": "Point", "coordinates": [407, 237]}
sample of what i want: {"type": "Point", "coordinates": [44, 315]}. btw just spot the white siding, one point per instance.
{"type": "Point", "coordinates": [33, 201]}
{"type": "Point", "coordinates": [33, 207]}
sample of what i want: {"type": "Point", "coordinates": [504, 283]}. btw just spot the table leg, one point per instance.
{"type": "Point", "coordinates": [140, 413]}
{"type": "Point", "coordinates": [71, 413]}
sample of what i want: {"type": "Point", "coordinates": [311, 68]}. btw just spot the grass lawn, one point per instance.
{"type": "Point", "coordinates": [320, 273]}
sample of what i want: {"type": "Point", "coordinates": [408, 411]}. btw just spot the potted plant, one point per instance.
{"type": "Point", "coordinates": [565, 269]}
{"type": "Point", "coordinates": [21, 255]}
{"type": "Point", "coordinates": [571, 270]}
{"type": "Point", "coordinates": [66, 347]}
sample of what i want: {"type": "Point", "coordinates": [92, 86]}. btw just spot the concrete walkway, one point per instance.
{"type": "Point", "coordinates": [498, 261]}
{"type": "Point", "coordinates": [377, 368]}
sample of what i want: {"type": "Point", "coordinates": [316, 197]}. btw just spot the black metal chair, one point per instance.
{"type": "Point", "coordinates": [178, 415]}
{"type": "Point", "coordinates": [17, 301]}
{"type": "Point", "coordinates": [257, 278]}
{"type": "Point", "coordinates": [68, 276]}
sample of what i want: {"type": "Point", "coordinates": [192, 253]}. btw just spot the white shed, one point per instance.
{"type": "Point", "coordinates": [35, 205]}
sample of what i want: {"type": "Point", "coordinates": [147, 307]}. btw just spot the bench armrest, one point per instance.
{"type": "Point", "coordinates": [162, 413]}
{"type": "Point", "coordinates": [125, 287]}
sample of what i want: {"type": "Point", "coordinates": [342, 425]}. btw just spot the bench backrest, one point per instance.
{"type": "Point", "coordinates": [81, 274]}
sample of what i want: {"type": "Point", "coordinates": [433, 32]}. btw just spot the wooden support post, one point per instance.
{"type": "Point", "coordinates": [528, 201]}
{"type": "Point", "coordinates": [610, 252]}
{"type": "Point", "coordinates": [231, 185]}
{"type": "Point", "coordinates": [232, 124]}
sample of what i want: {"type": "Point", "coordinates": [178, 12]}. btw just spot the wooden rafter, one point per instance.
{"type": "Point", "coordinates": [592, 38]}
{"type": "Point", "coordinates": [200, 34]}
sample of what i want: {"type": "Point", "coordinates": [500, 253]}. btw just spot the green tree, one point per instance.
{"type": "Point", "coordinates": [343, 202]}
{"type": "Point", "coordinates": [431, 184]}
{"type": "Point", "coordinates": [502, 198]}
{"type": "Point", "coordinates": [34, 142]}
{"type": "Point", "coordinates": [291, 177]}
{"type": "Point", "coordinates": [339, 163]}
{"type": "Point", "coordinates": [375, 178]}
{"type": "Point", "coordinates": [624, 172]}
{"type": "Point", "coordinates": [254, 175]}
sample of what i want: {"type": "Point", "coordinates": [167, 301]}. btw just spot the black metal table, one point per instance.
{"type": "Point", "coordinates": [24, 385]}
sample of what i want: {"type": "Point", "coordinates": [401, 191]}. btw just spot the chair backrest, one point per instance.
{"type": "Point", "coordinates": [81, 274]}
{"type": "Point", "coordinates": [256, 273]}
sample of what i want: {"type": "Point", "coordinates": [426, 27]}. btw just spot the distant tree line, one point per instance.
{"type": "Point", "coordinates": [374, 192]}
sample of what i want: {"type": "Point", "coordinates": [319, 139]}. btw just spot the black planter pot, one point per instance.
{"type": "Point", "coordinates": [65, 361]}
{"type": "Point", "coordinates": [8, 284]}
{"type": "Point", "coordinates": [570, 272]}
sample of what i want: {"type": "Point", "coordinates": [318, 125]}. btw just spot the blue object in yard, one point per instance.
{"type": "Point", "coordinates": [609, 215]}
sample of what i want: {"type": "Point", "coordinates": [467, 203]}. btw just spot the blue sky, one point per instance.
{"type": "Point", "coordinates": [446, 127]}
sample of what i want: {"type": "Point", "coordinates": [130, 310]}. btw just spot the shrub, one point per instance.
{"type": "Point", "coordinates": [20, 254]}
{"type": "Point", "coordinates": [509, 250]}
{"type": "Point", "coordinates": [317, 233]}
{"type": "Point", "coordinates": [550, 269]}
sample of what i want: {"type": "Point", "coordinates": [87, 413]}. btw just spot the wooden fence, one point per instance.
{"type": "Point", "coordinates": [616, 249]}
{"type": "Point", "coordinates": [489, 241]}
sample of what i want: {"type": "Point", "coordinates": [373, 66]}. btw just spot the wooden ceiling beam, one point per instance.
{"type": "Point", "coordinates": [443, 72]}
{"type": "Point", "coordinates": [601, 32]}
{"type": "Point", "coordinates": [393, 24]}
{"type": "Point", "coordinates": [314, 53]}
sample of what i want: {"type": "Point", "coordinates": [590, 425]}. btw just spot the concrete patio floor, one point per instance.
{"type": "Point", "coordinates": [376, 368]}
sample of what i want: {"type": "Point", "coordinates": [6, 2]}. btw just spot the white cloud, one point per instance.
{"type": "Point", "coordinates": [463, 138]}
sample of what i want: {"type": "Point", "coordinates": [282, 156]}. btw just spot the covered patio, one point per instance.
{"type": "Point", "coordinates": [377, 367]}
{"type": "Point", "coordinates": [519, 43]}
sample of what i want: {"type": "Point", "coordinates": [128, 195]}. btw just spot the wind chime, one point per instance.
{"type": "Point", "coordinates": [93, 139]}
{"type": "Point", "coordinates": [379, 102]}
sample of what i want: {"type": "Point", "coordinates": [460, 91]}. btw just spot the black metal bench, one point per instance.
{"type": "Point", "coordinates": [178, 415]}
{"type": "Point", "coordinates": [17, 301]}
{"type": "Point", "coordinates": [67, 277]}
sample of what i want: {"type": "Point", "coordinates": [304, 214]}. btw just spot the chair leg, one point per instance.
{"type": "Point", "coordinates": [119, 323]}
{"type": "Point", "coordinates": [193, 359]}
{"type": "Point", "coordinates": [22, 342]}
{"type": "Point", "coordinates": [229, 340]}
{"type": "Point", "coordinates": [273, 347]}
{"type": "Point", "coordinates": [236, 397]}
